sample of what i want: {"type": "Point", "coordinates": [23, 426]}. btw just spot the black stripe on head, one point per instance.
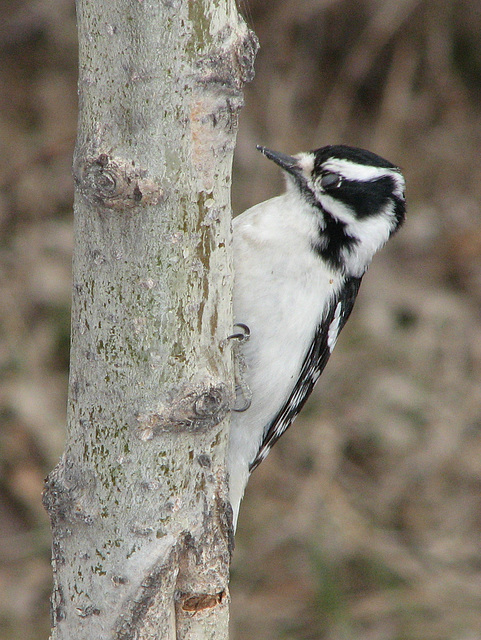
{"type": "Point", "coordinates": [366, 198]}
{"type": "Point", "coordinates": [399, 212]}
{"type": "Point", "coordinates": [351, 154]}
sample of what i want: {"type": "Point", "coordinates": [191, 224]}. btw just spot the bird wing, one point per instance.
{"type": "Point", "coordinates": [314, 362]}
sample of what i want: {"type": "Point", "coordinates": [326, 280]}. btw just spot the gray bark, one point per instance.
{"type": "Point", "coordinates": [138, 502]}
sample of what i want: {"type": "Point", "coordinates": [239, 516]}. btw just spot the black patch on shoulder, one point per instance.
{"type": "Point", "coordinates": [314, 362]}
{"type": "Point", "coordinates": [333, 239]}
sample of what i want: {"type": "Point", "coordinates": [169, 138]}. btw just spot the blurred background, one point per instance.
{"type": "Point", "coordinates": [365, 520]}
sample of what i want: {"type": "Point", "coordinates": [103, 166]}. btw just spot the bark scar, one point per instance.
{"type": "Point", "coordinates": [217, 98]}
{"type": "Point", "coordinates": [200, 601]}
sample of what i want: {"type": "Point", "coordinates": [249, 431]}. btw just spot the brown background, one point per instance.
{"type": "Point", "coordinates": [365, 520]}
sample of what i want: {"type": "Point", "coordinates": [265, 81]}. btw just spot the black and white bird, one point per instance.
{"type": "Point", "coordinates": [299, 259]}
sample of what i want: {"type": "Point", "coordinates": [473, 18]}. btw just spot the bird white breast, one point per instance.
{"type": "Point", "coordinates": [282, 288]}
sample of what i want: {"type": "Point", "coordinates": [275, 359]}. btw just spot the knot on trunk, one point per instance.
{"type": "Point", "coordinates": [67, 495]}
{"type": "Point", "coordinates": [193, 410]}
{"type": "Point", "coordinates": [230, 62]}
{"type": "Point", "coordinates": [115, 183]}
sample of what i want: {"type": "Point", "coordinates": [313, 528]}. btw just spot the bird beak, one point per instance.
{"type": "Point", "coordinates": [288, 163]}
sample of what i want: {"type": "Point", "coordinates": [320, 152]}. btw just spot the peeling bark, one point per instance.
{"type": "Point", "coordinates": [141, 522]}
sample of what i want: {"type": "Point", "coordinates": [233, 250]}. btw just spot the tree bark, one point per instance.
{"type": "Point", "coordinates": [138, 502]}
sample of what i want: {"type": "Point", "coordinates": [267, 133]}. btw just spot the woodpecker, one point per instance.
{"type": "Point", "coordinates": [299, 259]}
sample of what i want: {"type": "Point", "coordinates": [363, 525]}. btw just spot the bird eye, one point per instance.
{"type": "Point", "coordinates": [331, 180]}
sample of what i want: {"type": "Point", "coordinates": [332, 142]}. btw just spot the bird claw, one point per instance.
{"type": "Point", "coordinates": [241, 336]}
{"type": "Point", "coordinates": [247, 396]}
{"type": "Point", "coordinates": [242, 389]}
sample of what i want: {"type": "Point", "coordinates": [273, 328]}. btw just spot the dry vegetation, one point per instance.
{"type": "Point", "coordinates": [365, 521]}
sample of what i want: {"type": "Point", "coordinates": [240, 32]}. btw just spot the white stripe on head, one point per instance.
{"type": "Point", "coordinates": [364, 173]}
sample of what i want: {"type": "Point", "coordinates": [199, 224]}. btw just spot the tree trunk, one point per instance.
{"type": "Point", "coordinates": [138, 502]}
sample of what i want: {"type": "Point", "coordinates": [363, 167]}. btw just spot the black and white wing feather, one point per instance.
{"type": "Point", "coordinates": [314, 362]}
